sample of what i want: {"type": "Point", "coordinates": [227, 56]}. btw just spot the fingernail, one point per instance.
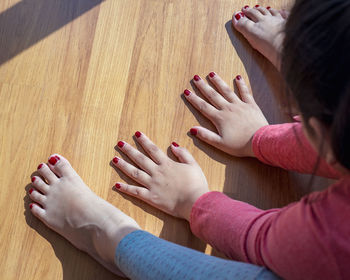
{"type": "Point", "coordinates": [257, 6]}
{"type": "Point", "coordinates": [187, 92]}
{"type": "Point", "coordinates": [115, 160]}
{"type": "Point", "coordinates": [194, 131]}
{"type": "Point", "coordinates": [138, 134]}
{"type": "Point", "coordinates": [238, 77]}
{"type": "Point", "coordinates": [117, 185]}
{"type": "Point", "coordinates": [238, 16]}
{"type": "Point", "coordinates": [30, 191]}
{"type": "Point", "coordinates": [53, 160]}
{"type": "Point", "coordinates": [246, 7]}
{"type": "Point", "coordinates": [175, 144]}
{"type": "Point", "coordinates": [121, 144]}
{"type": "Point", "coordinates": [31, 205]}
{"type": "Point", "coordinates": [40, 165]}
{"type": "Point", "coordinates": [196, 78]}
{"type": "Point", "coordinates": [33, 179]}
{"type": "Point", "coordinates": [268, 7]}
{"type": "Point", "coordinates": [211, 74]}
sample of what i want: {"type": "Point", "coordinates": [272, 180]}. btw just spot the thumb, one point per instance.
{"type": "Point", "coordinates": [182, 154]}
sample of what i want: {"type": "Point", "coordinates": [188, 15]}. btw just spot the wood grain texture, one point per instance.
{"type": "Point", "coordinates": [77, 76]}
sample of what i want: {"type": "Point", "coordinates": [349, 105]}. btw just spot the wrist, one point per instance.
{"type": "Point", "coordinates": [187, 207]}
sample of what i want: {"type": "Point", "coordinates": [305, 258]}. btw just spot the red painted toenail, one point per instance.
{"type": "Point", "coordinates": [31, 205]}
{"type": "Point", "coordinates": [33, 179]}
{"type": "Point", "coordinates": [121, 144]}
{"type": "Point", "coordinates": [238, 16]}
{"type": "Point", "coordinates": [211, 74]}
{"type": "Point", "coordinates": [117, 185]}
{"type": "Point", "coordinates": [30, 191]}
{"type": "Point", "coordinates": [187, 92]}
{"type": "Point", "coordinates": [257, 6]}
{"type": "Point", "coordinates": [138, 134]}
{"type": "Point", "coordinates": [194, 131]}
{"type": "Point", "coordinates": [53, 160]}
{"type": "Point", "coordinates": [246, 7]}
{"type": "Point", "coordinates": [175, 144]}
{"type": "Point", "coordinates": [57, 157]}
{"type": "Point", "coordinates": [238, 77]}
{"type": "Point", "coordinates": [196, 78]}
{"type": "Point", "coordinates": [40, 165]}
{"type": "Point", "coordinates": [268, 7]}
{"type": "Point", "coordinates": [115, 160]}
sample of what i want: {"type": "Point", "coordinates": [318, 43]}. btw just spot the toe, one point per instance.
{"type": "Point", "coordinates": [37, 211]}
{"type": "Point", "coordinates": [46, 172]}
{"type": "Point", "coordinates": [37, 197]}
{"type": "Point", "coordinates": [39, 184]}
{"type": "Point", "coordinates": [254, 14]}
{"type": "Point", "coordinates": [241, 22]}
{"type": "Point", "coordinates": [60, 166]}
{"type": "Point", "coordinates": [262, 10]}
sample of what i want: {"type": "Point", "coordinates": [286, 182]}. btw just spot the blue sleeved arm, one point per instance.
{"type": "Point", "coordinates": [141, 255]}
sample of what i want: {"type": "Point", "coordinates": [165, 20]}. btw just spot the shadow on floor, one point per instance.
{"type": "Point", "coordinates": [29, 21]}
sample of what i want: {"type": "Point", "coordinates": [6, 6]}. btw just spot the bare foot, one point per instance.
{"type": "Point", "coordinates": [263, 28]}
{"type": "Point", "coordinates": [66, 205]}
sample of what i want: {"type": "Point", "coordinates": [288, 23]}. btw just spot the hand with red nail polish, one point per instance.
{"type": "Point", "coordinates": [235, 118]}
{"type": "Point", "coordinates": [158, 175]}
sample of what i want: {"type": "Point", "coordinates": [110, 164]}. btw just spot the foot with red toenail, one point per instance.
{"type": "Point", "coordinates": [263, 28]}
{"type": "Point", "coordinates": [63, 202]}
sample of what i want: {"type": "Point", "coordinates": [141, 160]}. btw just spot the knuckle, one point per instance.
{"type": "Point", "coordinates": [135, 173]}
{"type": "Point", "coordinates": [153, 149]}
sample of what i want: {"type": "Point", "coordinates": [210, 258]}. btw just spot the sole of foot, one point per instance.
{"type": "Point", "coordinates": [64, 203]}
{"type": "Point", "coordinates": [263, 28]}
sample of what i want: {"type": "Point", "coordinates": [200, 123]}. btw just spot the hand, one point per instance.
{"type": "Point", "coordinates": [170, 186]}
{"type": "Point", "coordinates": [236, 119]}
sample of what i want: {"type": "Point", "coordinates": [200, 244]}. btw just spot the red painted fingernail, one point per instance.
{"type": "Point", "coordinates": [53, 160]}
{"type": "Point", "coordinates": [196, 78]}
{"type": "Point", "coordinates": [40, 165]}
{"type": "Point", "coordinates": [31, 205]}
{"type": "Point", "coordinates": [268, 7]}
{"type": "Point", "coordinates": [175, 144]}
{"type": "Point", "coordinates": [117, 185]}
{"type": "Point", "coordinates": [238, 77]}
{"type": "Point", "coordinates": [238, 16]}
{"type": "Point", "coordinates": [194, 131]}
{"type": "Point", "coordinates": [30, 191]}
{"type": "Point", "coordinates": [115, 160]}
{"type": "Point", "coordinates": [211, 74]}
{"type": "Point", "coordinates": [138, 134]}
{"type": "Point", "coordinates": [187, 92]}
{"type": "Point", "coordinates": [33, 179]}
{"type": "Point", "coordinates": [246, 7]}
{"type": "Point", "coordinates": [257, 6]}
{"type": "Point", "coordinates": [121, 144]}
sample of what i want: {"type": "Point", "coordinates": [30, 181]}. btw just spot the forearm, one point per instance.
{"type": "Point", "coordinates": [285, 146]}
{"type": "Point", "coordinates": [141, 255]}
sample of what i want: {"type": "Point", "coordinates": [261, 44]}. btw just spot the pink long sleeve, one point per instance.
{"type": "Point", "coordinates": [285, 145]}
{"type": "Point", "coordinates": [308, 239]}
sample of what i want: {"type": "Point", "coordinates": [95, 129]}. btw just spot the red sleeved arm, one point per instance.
{"type": "Point", "coordinates": [285, 146]}
{"type": "Point", "coordinates": [305, 240]}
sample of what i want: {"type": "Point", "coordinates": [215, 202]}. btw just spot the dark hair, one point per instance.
{"type": "Point", "coordinates": [316, 66]}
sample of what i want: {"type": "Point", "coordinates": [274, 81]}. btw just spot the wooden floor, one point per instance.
{"type": "Point", "coordinates": [77, 76]}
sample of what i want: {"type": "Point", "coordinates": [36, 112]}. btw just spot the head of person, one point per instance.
{"type": "Point", "coordinates": [315, 63]}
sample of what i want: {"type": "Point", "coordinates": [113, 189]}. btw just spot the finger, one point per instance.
{"type": "Point", "coordinates": [244, 91]}
{"type": "Point", "coordinates": [222, 87]}
{"type": "Point", "coordinates": [206, 135]}
{"type": "Point", "coordinates": [136, 156]}
{"type": "Point", "coordinates": [151, 149]}
{"type": "Point", "coordinates": [136, 191]}
{"type": "Point", "coordinates": [182, 154]}
{"type": "Point", "coordinates": [131, 171]}
{"type": "Point", "coordinates": [214, 97]}
{"type": "Point", "coordinates": [201, 105]}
